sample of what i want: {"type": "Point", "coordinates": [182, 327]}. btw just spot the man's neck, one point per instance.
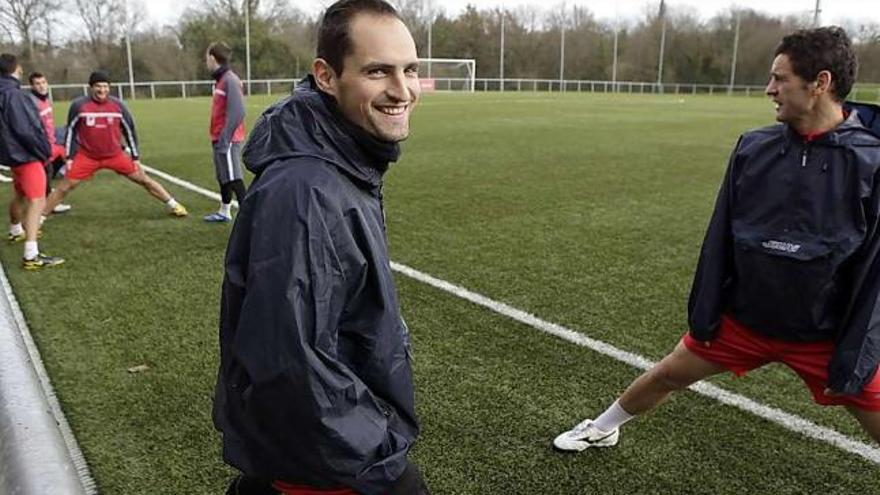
{"type": "Point", "coordinates": [824, 117]}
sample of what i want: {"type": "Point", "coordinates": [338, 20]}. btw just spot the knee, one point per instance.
{"type": "Point", "coordinates": [667, 377]}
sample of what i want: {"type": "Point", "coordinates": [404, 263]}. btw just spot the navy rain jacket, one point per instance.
{"type": "Point", "coordinates": [793, 248]}
{"type": "Point", "coordinates": [22, 138]}
{"type": "Point", "coordinates": [315, 384]}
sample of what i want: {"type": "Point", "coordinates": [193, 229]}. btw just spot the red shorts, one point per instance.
{"type": "Point", "coordinates": [58, 152]}
{"type": "Point", "coordinates": [30, 180]}
{"type": "Point", "coordinates": [739, 349]}
{"type": "Point", "coordinates": [288, 489]}
{"type": "Point", "coordinates": [84, 166]}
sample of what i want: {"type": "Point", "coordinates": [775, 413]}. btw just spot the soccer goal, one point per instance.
{"type": "Point", "coordinates": [448, 74]}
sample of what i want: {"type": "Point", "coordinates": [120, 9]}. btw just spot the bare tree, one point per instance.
{"type": "Point", "coordinates": [24, 15]}
{"type": "Point", "coordinates": [104, 22]}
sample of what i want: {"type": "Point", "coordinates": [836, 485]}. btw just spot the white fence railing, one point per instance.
{"type": "Point", "coordinates": [187, 89]}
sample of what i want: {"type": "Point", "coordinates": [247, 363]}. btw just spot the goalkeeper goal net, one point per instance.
{"type": "Point", "coordinates": [447, 74]}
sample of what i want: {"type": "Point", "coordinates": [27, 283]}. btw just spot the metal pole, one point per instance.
{"type": "Point", "coordinates": [501, 62]}
{"type": "Point", "coordinates": [816, 13]}
{"type": "Point", "coordinates": [733, 59]}
{"type": "Point", "coordinates": [614, 63]}
{"type": "Point", "coordinates": [562, 48]}
{"type": "Point", "coordinates": [430, 43]}
{"type": "Point", "coordinates": [128, 50]}
{"type": "Point", "coordinates": [662, 43]}
{"type": "Point", "coordinates": [130, 66]}
{"type": "Point", "coordinates": [247, 41]}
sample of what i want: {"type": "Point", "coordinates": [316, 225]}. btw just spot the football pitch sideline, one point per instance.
{"type": "Point", "coordinates": [586, 210]}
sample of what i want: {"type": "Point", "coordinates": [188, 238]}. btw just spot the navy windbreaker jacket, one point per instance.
{"type": "Point", "coordinates": [793, 247]}
{"type": "Point", "coordinates": [22, 138]}
{"type": "Point", "coordinates": [315, 384]}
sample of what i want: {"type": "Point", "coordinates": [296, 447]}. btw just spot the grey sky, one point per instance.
{"type": "Point", "coordinates": [844, 12]}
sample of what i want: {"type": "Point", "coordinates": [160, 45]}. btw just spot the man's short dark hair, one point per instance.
{"type": "Point", "coordinates": [99, 76]}
{"type": "Point", "coordinates": [220, 51]}
{"type": "Point", "coordinates": [334, 40]}
{"type": "Point", "coordinates": [8, 64]}
{"type": "Point", "coordinates": [827, 48]}
{"type": "Point", "coordinates": [35, 75]}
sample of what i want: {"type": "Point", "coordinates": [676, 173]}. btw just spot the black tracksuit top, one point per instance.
{"type": "Point", "coordinates": [793, 247]}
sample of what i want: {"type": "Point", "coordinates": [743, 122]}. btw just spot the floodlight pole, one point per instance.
{"type": "Point", "coordinates": [662, 44]}
{"type": "Point", "coordinates": [614, 62]}
{"type": "Point", "coordinates": [501, 62]}
{"type": "Point", "coordinates": [816, 12]}
{"type": "Point", "coordinates": [430, 42]}
{"type": "Point", "coordinates": [130, 65]}
{"type": "Point", "coordinates": [733, 59]}
{"type": "Point", "coordinates": [562, 48]}
{"type": "Point", "coordinates": [247, 42]}
{"type": "Point", "coordinates": [128, 51]}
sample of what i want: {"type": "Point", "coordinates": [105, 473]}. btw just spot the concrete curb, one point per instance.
{"type": "Point", "coordinates": [38, 452]}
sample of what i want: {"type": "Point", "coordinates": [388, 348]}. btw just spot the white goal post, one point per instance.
{"type": "Point", "coordinates": [449, 73]}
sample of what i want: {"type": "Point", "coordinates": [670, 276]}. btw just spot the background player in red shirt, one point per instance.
{"type": "Point", "coordinates": [95, 126]}
{"type": "Point", "coordinates": [227, 129]}
{"type": "Point", "coordinates": [40, 96]}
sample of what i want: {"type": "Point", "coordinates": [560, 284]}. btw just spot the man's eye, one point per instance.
{"type": "Point", "coordinates": [376, 72]}
{"type": "Point", "coordinates": [412, 72]}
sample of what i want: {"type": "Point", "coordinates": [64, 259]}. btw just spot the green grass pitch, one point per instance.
{"type": "Point", "coordinates": [587, 210]}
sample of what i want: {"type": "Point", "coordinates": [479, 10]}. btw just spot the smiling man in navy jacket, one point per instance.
{"type": "Point", "coordinates": [315, 389]}
{"type": "Point", "coordinates": [790, 267]}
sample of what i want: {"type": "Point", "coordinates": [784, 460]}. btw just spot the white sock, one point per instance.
{"type": "Point", "coordinates": [613, 417]}
{"type": "Point", "coordinates": [16, 229]}
{"type": "Point", "coordinates": [42, 219]}
{"type": "Point", "coordinates": [225, 209]}
{"type": "Point", "coordinates": [171, 203]}
{"type": "Point", "coordinates": [30, 250]}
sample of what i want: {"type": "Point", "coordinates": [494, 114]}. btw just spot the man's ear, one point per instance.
{"type": "Point", "coordinates": [824, 82]}
{"type": "Point", "coordinates": [325, 76]}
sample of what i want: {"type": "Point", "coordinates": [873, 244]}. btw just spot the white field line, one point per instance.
{"type": "Point", "coordinates": [772, 414]}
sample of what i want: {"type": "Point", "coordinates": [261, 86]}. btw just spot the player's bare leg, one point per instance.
{"type": "Point", "coordinates": [678, 370]}
{"type": "Point", "coordinates": [154, 188]}
{"type": "Point", "coordinates": [870, 421]}
{"type": "Point", "coordinates": [58, 194]}
{"type": "Point", "coordinates": [157, 191]}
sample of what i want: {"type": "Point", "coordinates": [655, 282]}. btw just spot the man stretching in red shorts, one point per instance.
{"type": "Point", "coordinates": [24, 147]}
{"type": "Point", "coordinates": [790, 267]}
{"type": "Point", "coordinates": [95, 125]}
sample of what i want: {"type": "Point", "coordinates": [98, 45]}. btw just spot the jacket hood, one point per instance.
{"type": "Point", "coordinates": [308, 123]}
{"type": "Point", "coordinates": [869, 115]}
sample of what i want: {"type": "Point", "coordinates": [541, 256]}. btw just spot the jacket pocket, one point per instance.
{"type": "Point", "coordinates": [787, 284]}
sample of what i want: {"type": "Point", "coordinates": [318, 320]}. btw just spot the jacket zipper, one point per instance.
{"type": "Point", "coordinates": [804, 157]}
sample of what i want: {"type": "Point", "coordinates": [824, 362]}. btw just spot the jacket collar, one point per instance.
{"type": "Point", "coordinates": [833, 137]}
{"type": "Point", "coordinates": [218, 73]}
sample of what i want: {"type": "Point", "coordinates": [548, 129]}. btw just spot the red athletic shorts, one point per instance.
{"type": "Point", "coordinates": [288, 489]}
{"type": "Point", "coordinates": [84, 166]}
{"type": "Point", "coordinates": [30, 180]}
{"type": "Point", "coordinates": [57, 152]}
{"type": "Point", "coordinates": [739, 349]}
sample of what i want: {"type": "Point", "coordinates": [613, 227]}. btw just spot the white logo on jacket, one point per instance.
{"type": "Point", "coordinates": [786, 247]}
